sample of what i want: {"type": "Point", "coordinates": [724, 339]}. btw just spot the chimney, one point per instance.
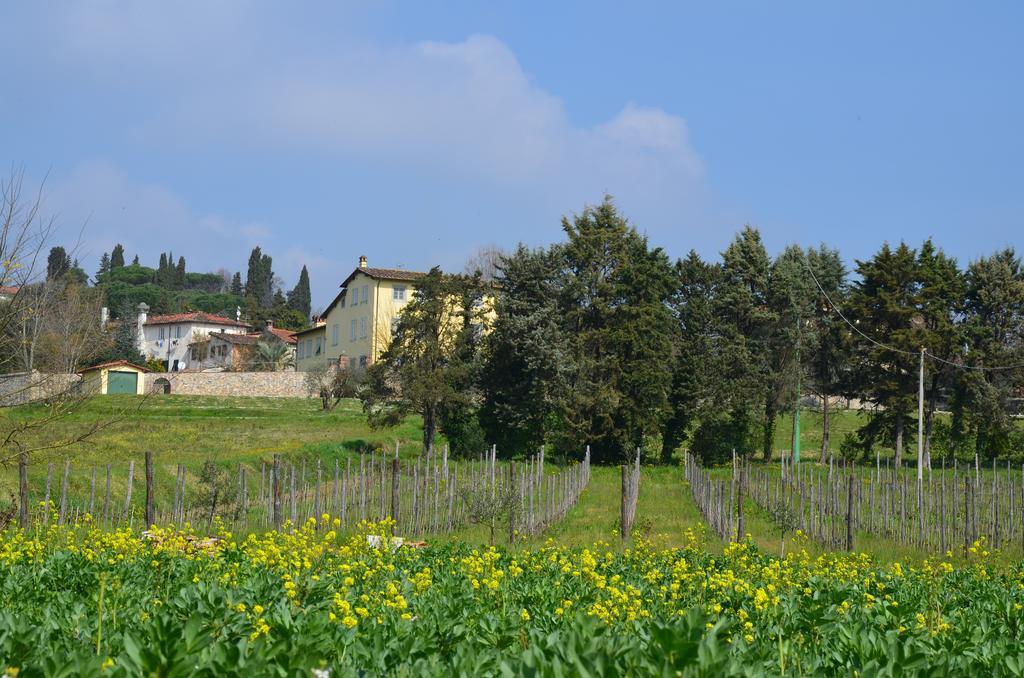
{"type": "Point", "coordinates": [362, 261]}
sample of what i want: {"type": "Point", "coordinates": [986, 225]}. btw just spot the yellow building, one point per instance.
{"type": "Point", "coordinates": [118, 376]}
{"type": "Point", "coordinates": [356, 326]}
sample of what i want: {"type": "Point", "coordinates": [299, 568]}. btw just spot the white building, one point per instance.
{"type": "Point", "coordinates": [167, 337]}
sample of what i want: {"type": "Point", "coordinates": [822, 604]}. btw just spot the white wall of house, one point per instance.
{"type": "Point", "coordinates": [169, 342]}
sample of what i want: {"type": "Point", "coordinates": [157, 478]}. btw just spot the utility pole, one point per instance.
{"type": "Point", "coordinates": [920, 421]}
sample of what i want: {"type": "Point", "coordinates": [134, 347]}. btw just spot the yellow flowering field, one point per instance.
{"type": "Point", "coordinates": [77, 600]}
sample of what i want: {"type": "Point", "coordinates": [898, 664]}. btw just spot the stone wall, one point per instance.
{"type": "Point", "coordinates": [268, 384]}
{"type": "Point", "coordinates": [24, 387]}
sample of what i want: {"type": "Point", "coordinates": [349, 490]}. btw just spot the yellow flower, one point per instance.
{"type": "Point", "coordinates": [524, 615]}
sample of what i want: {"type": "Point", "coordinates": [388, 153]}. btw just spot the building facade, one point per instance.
{"type": "Point", "coordinates": [168, 338]}
{"type": "Point", "coordinates": [356, 326]}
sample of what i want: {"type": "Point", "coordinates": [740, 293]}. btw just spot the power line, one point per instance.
{"type": "Point", "coordinates": [889, 347]}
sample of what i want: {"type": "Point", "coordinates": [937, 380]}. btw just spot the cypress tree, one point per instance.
{"type": "Point", "coordinates": [236, 284]}
{"type": "Point", "coordinates": [266, 295]}
{"type": "Point", "coordinates": [57, 263]}
{"type": "Point", "coordinates": [179, 274]}
{"type": "Point", "coordinates": [117, 256]}
{"type": "Point", "coordinates": [299, 299]}
{"type": "Point", "coordinates": [254, 275]}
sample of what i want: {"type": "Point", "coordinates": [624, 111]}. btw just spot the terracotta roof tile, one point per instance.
{"type": "Point", "coordinates": [114, 363]}
{"type": "Point", "coordinates": [391, 273]}
{"type": "Point", "coordinates": [240, 339]}
{"type": "Point", "coordinates": [197, 317]}
{"type": "Point", "coordinates": [287, 336]}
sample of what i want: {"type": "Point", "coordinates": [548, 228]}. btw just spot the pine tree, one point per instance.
{"type": "Point", "coordinates": [745, 320]}
{"type": "Point", "coordinates": [104, 265]}
{"type": "Point", "coordinates": [694, 360]}
{"type": "Point", "coordinates": [789, 340]}
{"type": "Point", "coordinates": [826, 361]}
{"type": "Point", "coordinates": [236, 284]}
{"type": "Point", "coordinates": [75, 274]}
{"type": "Point", "coordinates": [117, 256]}
{"type": "Point", "coordinates": [525, 371]}
{"type": "Point", "coordinates": [135, 260]}
{"type": "Point", "coordinates": [884, 303]}
{"type": "Point", "coordinates": [994, 327]}
{"type": "Point", "coordinates": [124, 345]}
{"type": "Point", "coordinates": [941, 297]}
{"type": "Point", "coordinates": [299, 299]}
{"type": "Point", "coordinates": [620, 335]}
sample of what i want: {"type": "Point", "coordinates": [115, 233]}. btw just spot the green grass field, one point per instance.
{"type": "Point", "coordinates": [191, 430]}
{"type": "Point", "coordinates": [231, 431]}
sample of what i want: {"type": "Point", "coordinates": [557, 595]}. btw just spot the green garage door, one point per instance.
{"type": "Point", "coordinates": [122, 382]}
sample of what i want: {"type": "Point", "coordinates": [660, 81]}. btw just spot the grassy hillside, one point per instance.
{"type": "Point", "coordinates": [232, 431]}
{"type": "Point", "coordinates": [192, 430]}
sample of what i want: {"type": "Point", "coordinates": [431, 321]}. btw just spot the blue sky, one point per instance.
{"type": "Point", "coordinates": [417, 132]}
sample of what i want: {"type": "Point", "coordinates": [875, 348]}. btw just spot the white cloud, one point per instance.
{"type": "Point", "coordinates": [236, 76]}
{"type": "Point", "coordinates": [248, 83]}
{"type": "Point", "coordinates": [465, 109]}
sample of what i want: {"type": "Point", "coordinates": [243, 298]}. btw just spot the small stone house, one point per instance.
{"type": "Point", "coordinates": [227, 351]}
